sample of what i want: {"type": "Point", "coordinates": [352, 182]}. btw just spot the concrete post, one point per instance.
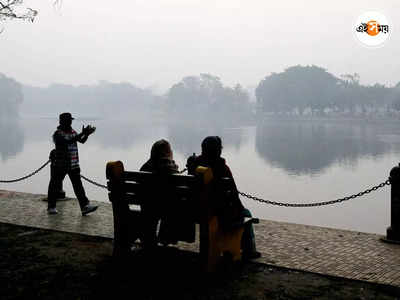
{"type": "Point", "coordinates": [393, 232]}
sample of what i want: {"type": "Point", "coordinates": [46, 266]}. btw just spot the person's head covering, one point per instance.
{"type": "Point", "coordinates": [161, 149]}
{"type": "Point", "coordinates": [211, 146]}
{"type": "Point", "coordinates": [65, 121]}
{"type": "Point", "coordinates": [65, 117]}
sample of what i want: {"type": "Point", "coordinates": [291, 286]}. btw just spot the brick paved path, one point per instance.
{"type": "Point", "coordinates": [321, 250]}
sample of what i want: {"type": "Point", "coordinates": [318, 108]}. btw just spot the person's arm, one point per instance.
{"type": "Point", "coordinates": [174, 168]}
{"type": "Point", "coordinates": [64, 140]}
{"type": "Point", "coordinates": [192, 164]}
{"type": "Point", "coordinates": [86, 131]}
{"type": "Point", "coordinates": [228, 174]}
{"type": "Point", "coordinates": [147, 167]}
{"type": "Point", "coordinates": [83, 138]}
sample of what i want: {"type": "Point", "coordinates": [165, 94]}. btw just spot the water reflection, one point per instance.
{"type": "Point", "coordinates": [309, 147]}
{"type": "Point", "coordinates": [187, 139]}
{"type": "Point", "coordinates": [122, 134]}
{"type": "Point", "coordinates": [12, 139]}
{"type": "Point", "coordinates": [298, 147]}
{"type": "Point", "coordinates": [115, 134]}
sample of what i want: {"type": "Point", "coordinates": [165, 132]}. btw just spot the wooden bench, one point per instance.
{"type": "Point", "coordinates": [195, 196]}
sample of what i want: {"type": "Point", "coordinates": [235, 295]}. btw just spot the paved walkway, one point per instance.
{"type": "Point", "coordinates": [321, 250]}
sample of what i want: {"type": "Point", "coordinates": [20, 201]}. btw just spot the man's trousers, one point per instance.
{"type": "Point", "coordinates": [57, 177]}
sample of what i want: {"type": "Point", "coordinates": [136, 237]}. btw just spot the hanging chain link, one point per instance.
{"type": "Point", "coordinates": [367, 191]}
{"type": "Point", "coordinates": [27, 176]}
{"type": "Point", "coordinates": [46, 163]}
{"type": "Point", "coordinates": [94, 182]}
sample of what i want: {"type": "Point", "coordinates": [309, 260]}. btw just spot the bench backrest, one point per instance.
{"type": "Point", "coordinates": [133, 185]}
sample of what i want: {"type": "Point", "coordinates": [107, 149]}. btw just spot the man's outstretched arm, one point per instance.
{"type": "Point", "coordinates": [86, 131]}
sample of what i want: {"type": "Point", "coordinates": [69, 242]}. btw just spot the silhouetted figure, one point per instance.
{"type": "Point", "coordinates": [66, 161]}
{"type": "Point", "coordinates": [233, 210]}
{"type": "Point", "coordinates": [158, 205]}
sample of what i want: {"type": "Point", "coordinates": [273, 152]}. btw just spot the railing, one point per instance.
{"type": "Point", "coordinates": [393, 232]}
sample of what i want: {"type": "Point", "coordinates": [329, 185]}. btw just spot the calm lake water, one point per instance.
{"type": "Point", "coordinates": [287, 161]}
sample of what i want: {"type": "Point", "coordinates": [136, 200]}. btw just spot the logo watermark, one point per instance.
{"type": "Point", "coordinates": [372, 29]}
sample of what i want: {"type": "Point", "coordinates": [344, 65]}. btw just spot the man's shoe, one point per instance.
{"type": "Point", "coordinates": [88, 209]}
{"type": "Point", "coordinates": [52, 211]}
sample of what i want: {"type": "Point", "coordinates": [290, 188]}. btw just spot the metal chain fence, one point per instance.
{"type": "Point", "coordinates": [27, 176]}
{"type": "Point", "coordinates": [93, 182]}
{"type": "Point", "coordinates": [367, 191]}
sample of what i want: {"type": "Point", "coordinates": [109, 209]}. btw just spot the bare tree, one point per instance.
{"type": "Point", "coordinates": [9, 10]}
{"type": "Point", "coordinates": [12, 10]}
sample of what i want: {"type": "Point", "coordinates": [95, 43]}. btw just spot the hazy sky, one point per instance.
{"type": "Point", "coordinates": [156, 43]}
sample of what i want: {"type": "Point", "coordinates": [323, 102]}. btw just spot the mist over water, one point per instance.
{"type": "Point", "coordinates": [12, 139]}
{"type": "Point", "coordinates": [296, 161]}
{"type": "Point", "coordinates": [311, 147]}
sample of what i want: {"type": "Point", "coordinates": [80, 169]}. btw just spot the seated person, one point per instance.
{"type": "Point", "coordinates": [211, 149]}
{"type": "Point", "coordinates": [160, 205]}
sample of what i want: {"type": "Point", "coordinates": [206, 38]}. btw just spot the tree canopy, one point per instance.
{"type": "Point", "coordinates": [10, 97]}
{"type": "Point", "coordinates": [11, 9]}
{"type": "Point", "coordinates": [109, 99]}
{"type": "Point", "coordinates": [205, 96]}
{"type": "Point", "coordinates": [302, 89]}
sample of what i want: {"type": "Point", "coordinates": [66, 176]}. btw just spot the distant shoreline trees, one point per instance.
{"type": "Point", "coordinates": [104, 99]}
{"type": "Point", "coordinates": [312, 91]}
{"type": "Point", "coordinates": [194, 97]}
{"type": "Point", "coordinates": [205, 96]}
{"type": "Point", "coordinates": [297, 91]}
{"type": "Point", "coordinates": [10, 97]}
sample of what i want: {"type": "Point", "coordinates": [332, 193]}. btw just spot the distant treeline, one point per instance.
{"type": "Point", "coordinates": [10, 97]}
{"type": "Point", "coordinates": [104, 99]}
{"type": "Point", "coordinates": [312, 90]}
{"type": "Point", "coordinates": [297, 91]}
{"type": "Point", "coordinates": [202, 97]}
{"type": "Point", "coordinates": [205, 97]}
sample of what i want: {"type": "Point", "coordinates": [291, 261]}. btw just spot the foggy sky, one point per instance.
{"type": "Point", "coordinates": [155, 43]}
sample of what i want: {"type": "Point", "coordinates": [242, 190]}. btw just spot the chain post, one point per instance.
{"type": "Point", "coordinates": [393, 232]}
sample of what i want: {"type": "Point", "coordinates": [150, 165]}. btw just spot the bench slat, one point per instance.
{"type": "Point", "coordinates": [137, 189]}
{"type": "Point", "coordinates": [132, 187]}
{"type": "Point", "coordinates": [182, 192]}
{"type": "Point", "coordinates": [132, 199]}
{"type": "Point", "coordinates": [176, 179]}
